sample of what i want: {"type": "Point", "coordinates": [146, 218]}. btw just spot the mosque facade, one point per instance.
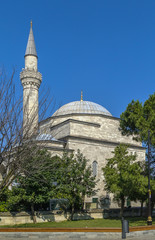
{"type": "Point", "coordinates": [82, 125]}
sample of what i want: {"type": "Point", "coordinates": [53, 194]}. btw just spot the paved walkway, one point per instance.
{"type": "Point", "coordinates": [142, 235]}
{"type": "Point", "coordinates": [136, 233]}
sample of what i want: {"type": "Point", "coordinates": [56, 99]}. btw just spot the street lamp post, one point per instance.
{"type": "Point", "coordinates": [149, 220]}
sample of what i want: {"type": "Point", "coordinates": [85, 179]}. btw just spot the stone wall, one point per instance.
{"type": "Point", "coordinates": [100, 152]}
{"type": "Point", "coordinates": [57, 216]}
{"type": "Point", "coordinates": [108, 128]}
{"type": "Point", "coordinates": [96, 136]}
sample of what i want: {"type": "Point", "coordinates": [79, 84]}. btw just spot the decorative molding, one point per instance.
{"type": "Point", "coordinates": [102, 141]}
{"type": "Point", "coordinates": [75, 121]}
{"type": "Point", "coordinates": [31, 83]}
{"type": "Point", "coordinates": [78, 114]}
{"type": "Point", "coordinates": [59, 149]}
{"type": "Point", "coordinates": [31, 74]}
{"type": "Point", "coordinates": [32, 78]}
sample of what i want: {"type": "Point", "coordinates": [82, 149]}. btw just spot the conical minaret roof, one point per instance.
{"type": "Point", "coordinates": [31, 48]}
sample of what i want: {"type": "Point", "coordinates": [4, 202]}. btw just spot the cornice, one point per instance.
{"type": "Point", "coordinates": [100, 141]}
{"type": "Point", "coordinates": [78, 114]}
{"type": "Point", "coordinates": [59, 149]}
{"type": "Point", "coordinates": [75, 121]}
{"type": "Point", "coordinates": [32, 74]}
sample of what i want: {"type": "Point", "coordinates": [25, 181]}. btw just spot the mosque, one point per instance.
{"type": "Point", "coordinates": [82, 125]}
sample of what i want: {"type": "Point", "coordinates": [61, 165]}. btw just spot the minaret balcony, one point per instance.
{"type": "Point", "coordinates": [29, 77]}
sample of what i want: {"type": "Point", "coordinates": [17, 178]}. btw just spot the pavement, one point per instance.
{"type": "Point", "coordinates": [138, 235]}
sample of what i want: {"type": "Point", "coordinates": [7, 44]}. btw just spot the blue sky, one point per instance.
{"type": "Point", "coordinates": [104, 47]}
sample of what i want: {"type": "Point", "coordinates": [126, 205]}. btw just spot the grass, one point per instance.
{"type": "Point", "coordinates": [94, 223]}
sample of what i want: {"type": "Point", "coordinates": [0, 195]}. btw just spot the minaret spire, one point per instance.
{"type": "Point", "coordinates": [31, 47]}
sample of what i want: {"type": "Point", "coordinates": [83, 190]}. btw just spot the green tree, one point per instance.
{"type": "Point", "coordinates": [137, 119]}
{"type": "Point", "coordinates": [75, 180]}
{"type": "Point", "coordinates": [34, 186]}
{"type": "Point", "coordinates": [68, 177]}
{"type": "Point", "coordinates": [123, 176]}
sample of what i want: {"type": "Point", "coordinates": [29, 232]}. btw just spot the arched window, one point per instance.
{"type": "Point", "coordinates": [95, 168]}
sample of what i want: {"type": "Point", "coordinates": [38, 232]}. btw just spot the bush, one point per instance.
{"type": "Point", "coordinates": [4, 207]}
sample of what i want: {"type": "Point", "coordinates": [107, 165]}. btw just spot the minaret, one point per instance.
{"type": "Point", "coordinates": [31, 80]}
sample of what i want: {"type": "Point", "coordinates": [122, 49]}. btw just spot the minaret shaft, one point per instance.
{"type": "Point", "coordinates": [31, 80]}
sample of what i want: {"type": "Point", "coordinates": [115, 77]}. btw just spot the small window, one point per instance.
{"type": "Point", "coordinates": [95, 200]}
{"type": "Point", "coordinates": [94, 169]}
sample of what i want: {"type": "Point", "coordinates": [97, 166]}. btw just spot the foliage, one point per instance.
{"type": "Point", "coordinates": [137, 119]}
{"type": "Point", "coordinates": [123, 176]}
{"type": "Point", "coordinates": [3, 201]}
{"type": "Point", "coordinates": [3, 207]}
{"type": "Point", "coordinates": [74, 180]}
{"type": "Point", "coordinates": [68, 177]}
{"type": "Point", "coordinates": [34, 187]}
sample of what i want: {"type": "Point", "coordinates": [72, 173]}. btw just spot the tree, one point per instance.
{"type": "Point", "coordinates": [34, 187]}
{"type": "Point", "coordinates": [14, 144]}
{"type": "Point", "coordinates": [74, 180]}
{"type": "Point", "coordinates": [68, 177]}
{"type": "Point", "coordinates": [123, 176]}
{"type": "Point", "coordinates": [137, 119]}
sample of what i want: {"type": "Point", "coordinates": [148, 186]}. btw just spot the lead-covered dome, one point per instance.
{"type": "Point", "coordinates": [82, 107]}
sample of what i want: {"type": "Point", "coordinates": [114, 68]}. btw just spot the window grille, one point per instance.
{"type": "Point", "coordinates": [95, 169]}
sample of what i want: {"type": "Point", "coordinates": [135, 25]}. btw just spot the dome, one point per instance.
{"type": "Point", "coordinates": [45, 137]}
{"type": "Point", "coordinates": [82, 107]}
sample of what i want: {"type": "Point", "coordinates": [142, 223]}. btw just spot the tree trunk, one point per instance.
{"type": "Point", "coordinates": [122, 206]}
{"type": "Point", "coordinates": [72, 212]}
{"type": "Point", "coordinates": [33, 213]}
{"type": "Point", "coordinates": [83, 198]}
{"type": "Point", "coordinates": [141, 209]}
